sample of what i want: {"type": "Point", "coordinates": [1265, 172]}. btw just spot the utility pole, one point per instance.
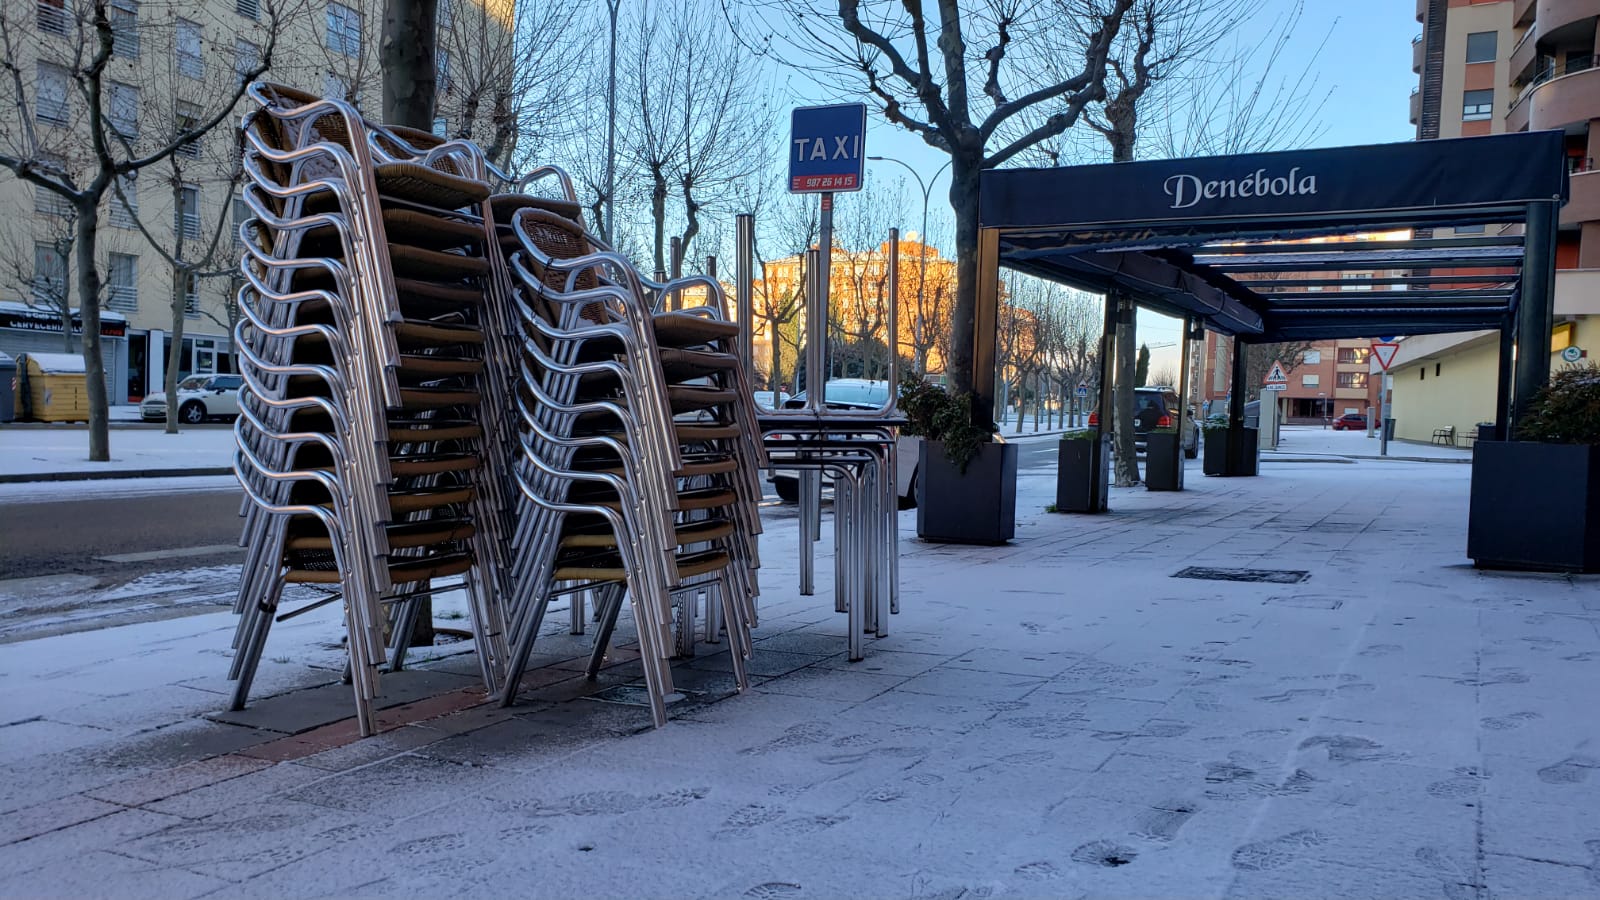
{"type": "Point", "coordinates": [609, 225]}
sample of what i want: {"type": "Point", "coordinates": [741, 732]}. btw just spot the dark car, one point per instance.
{"type": "Point", "coordinates": [1157, 407]}
{"type": "Point", "coordinates": [1350, 422]}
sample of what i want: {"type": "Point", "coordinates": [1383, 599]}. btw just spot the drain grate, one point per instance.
{"type": "Point", "coordinates": [1267, 576]}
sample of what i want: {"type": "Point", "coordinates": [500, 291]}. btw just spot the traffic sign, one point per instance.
{"type": "Point", "coordinates": [1277, 376]}
{"type": "Point", "coordinates": [1274, 387]}
{"type": "Point", "coordinates": [1384, 351]}
{"type": "Point", "coordinates": [827, 148]}
{"type": "Point", "coordinates": [1572, 354]}
{"type": "Point", "coordinates": [1083, 389]}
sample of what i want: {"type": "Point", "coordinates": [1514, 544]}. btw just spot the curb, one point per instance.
{"type": "Point", "coordinates": [93, 475]}
{"type": "Point", "coordinates": [1351, 457]}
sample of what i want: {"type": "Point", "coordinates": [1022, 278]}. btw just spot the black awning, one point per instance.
{"type": "Point", "coordinates": [1274, 246]}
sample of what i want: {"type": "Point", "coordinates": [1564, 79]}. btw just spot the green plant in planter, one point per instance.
{"type": "Point", "coordinates": [1567, 410]}
{"type": "Point", "coordinates": [937, 415]}
{"type": "Point", "coordinates": [1214, 422]}
{"type": "Point", "coordinates": [1082, 434]}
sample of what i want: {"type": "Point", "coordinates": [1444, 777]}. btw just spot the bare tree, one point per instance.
{"type": "Point", "coordinates": [116, 146]}
{"type": "Point", "coordinates": [693, 127]}
{"type": "Point", "coordinates": [967, 80]}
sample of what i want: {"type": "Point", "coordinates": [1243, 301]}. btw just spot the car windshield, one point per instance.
{"type": "Point", "coordinates": [225, 383]}
{"type": "Point", "coordinates": [193, 383]}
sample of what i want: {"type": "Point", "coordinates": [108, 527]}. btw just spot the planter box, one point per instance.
{"type": "Point", "coordinates": [1217, 443]}
{"type": "Point", "coordinates": [978, 507]}
{"type": "Point", "coordinates": [1535, 506]}
{"type": "Point", "coordinates": [1163, 463]}
{"type": "Point", "coordinates": [1083, 473]}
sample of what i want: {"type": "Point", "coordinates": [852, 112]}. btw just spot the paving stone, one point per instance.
{"type": "Point", "coordinates": [161, 785]}
{"type": "Point", "coordinates": [25, 823]}
{"type": "Point", "coordinates": [305, 710]}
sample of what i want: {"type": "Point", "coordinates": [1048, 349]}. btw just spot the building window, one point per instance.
{"type": "Point", "coordinates": [344, 30]}
{"type": "Point", "coordinates": [49, 274]}
{"type": "Point", "coordinates": [441, 64]}
{"type": "Point", "coordinates": [124, 109]}
{"type": "Point", "coordinates": [1481, 46]}
{"type": "Point", "coordinates": [124, 289]}
{"type": "Point", "coordinates": [250, 9]}
{"type": "Point", "coordinates": [122, 215]}
{"type": "Point", "coordinates": [191, 294]}
{"type": "Point", "coordinates": [124, 18]}
{"type": "Point", "coordinates": [187, 221]}
{"type": "Point", "coordinates": [1311, 357]}
{"type": "Point", "coordinates": [1477, 106]}
{"type": "Point", "coordinates": [246, 57]}
{"type": "Point", "coordinates": [190, 64]}
{"type": "Point", "coordinates": [54, 84]}
{"type": "Point", "coordinates": [1469, 229]}
{"type": "Point", "coordinates": [1357, 281]}
{"type": "Point", "coordinates": [441, 127]}
{"type": "Point", "coordinates": [53, 16]}
{"type": "Point", "coordinates": [1354, 355]}
{"type": "Point", "coordinates": [1353, 380]}
{"type": "Point", "coordinates": [1436, 369]}
{"type": "Point", "coordinates": [187, 119]}
{"type": "Point", "coordinates": [1310, 380]}
{"type": "Point", "coordinates": [48, 202]}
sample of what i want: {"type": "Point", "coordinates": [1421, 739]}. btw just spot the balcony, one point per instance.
{"type": "Point", "coordinates": [1417, 54]}
{"type": "Point", "coordinates": [1558, 96]}
{"type": "Point", "coordinates": [1523, 57]}
{"type": "Point", "coordinates": [1584, 205]}
{"type": "Point", "coordinates": [1522, 13]}
{"type": "Point", "coordinates": [1422, 10]}
{"type": "Point", "coordinates": [1416, 105]}
{"type": "Point", "coordinates": [1556, 14]}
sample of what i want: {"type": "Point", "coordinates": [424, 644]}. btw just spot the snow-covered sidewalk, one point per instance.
{"type": "Point", "coordinates": [1316, 440]}
{"type": "Point", "coordinates": [63, 451]}
{"type": "Point", "coordinates": [1057, 717]}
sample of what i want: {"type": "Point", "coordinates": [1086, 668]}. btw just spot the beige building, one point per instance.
{"type": "Point", "coordinates": [1487, 68]}
{"type": "Point", "coordinates": [175, 64]}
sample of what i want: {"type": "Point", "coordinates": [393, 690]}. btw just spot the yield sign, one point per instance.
{"type": "Point", "coordinates": [1276, 375]}
{"type": "Point", "coordinates": [1384, 351]}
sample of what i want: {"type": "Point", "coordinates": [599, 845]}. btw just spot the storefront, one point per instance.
{"type": "Point", "coordinates": [27, 329]}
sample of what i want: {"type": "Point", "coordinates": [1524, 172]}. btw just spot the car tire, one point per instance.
{"type": "Point", "coordinates": [192, 413]}
{"type": "Point", "coordinates": [909, 501]}
{"type": "Point", "coordinates": [788, 489]}
{"type": "Point", "coordinates": [1192, 452]}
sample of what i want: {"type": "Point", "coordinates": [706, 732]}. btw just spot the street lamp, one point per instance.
{"type": "Point", "coordinates": [922, 274]}
{"type": "Point", "coordinates": [1322, 401]}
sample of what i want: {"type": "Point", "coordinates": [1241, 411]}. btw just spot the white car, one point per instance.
{"type": "Point", "coordinates": [771, 400]}
{"type": "Point", "coordinates": [200, 397]}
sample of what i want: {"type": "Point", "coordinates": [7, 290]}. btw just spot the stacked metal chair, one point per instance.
{"type": "Point", "coordinates": [371, 436]}
{"type": "Point", "coordinates": [640, 449]}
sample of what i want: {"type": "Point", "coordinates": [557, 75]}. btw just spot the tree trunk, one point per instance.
{"type": "Point", "coordinates": [1122, 391]}
{"type": "Point", "coordinates": [175, 351]}
{"type": "Point", "coordinates": [964, 168]}
{"type": "Point", "coordinates": [658, 213]}
{"type": "Point", "coordinates": [406, 56]}
{"type": "Point", "coordinates": [94, 366]}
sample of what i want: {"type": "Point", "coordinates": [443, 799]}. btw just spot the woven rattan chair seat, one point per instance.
{"type": "Point", "coordinates": [684, 535]}
{"type": "Point", "coordinates": [306, 567]}
{"type": "Point", "coordinates": [437, 398]}
{"type": "Point", "coordinates": [434, 431]}
{"type": "Point", "coordinates": [436, 334]}
{"type": "Point", "coordinates": [679, 329]}
{"type": "Point", "coordinates": [306, 533]}
{"type": "Point", "coordinates": [609, 567]}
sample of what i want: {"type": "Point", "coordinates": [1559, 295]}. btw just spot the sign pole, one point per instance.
{"type": "Point", "coordinates": [817, 313]}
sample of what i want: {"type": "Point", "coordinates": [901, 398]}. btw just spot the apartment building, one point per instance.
{"type": "Point", "coordinates": [1330, 379]}
{"type": "Point", "coordinates": [1486, 67]}
{"type": "Point", "coordinates": [858, 286]}
{"type": "Point", "coordinates": [175, 64]}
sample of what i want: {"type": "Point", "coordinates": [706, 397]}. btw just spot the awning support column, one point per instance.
{"type": "Point", "coordinates": [1241, 443]}
{"type": "Point", "coordinates": [1536, 307]}
{"type": "Point", "coordinates": [985, 325]}
{"type": "Point", "coordinates": [1502, 381]}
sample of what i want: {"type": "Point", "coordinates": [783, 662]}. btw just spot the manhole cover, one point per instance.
{"type": "Point", "coordinates": [636, 695]}
{"type": "Point", "coordinates": [1268, 576]}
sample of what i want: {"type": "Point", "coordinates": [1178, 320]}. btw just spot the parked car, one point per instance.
{"type": "Point", "coordinates": [856, 393]}
{"type": "Point", "coordinates": [770, 399]}
{"type": "Point", "coordinates": [1350, 422]}
{"type": "Point", "coordinates": [200, 397]}
{"type": "Point", "coordinates": [1157, 407]}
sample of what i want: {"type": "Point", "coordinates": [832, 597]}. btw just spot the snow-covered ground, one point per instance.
{"type": "Point", "coordinates": [65, 448]}
{"type": "Point", "coordinates": [1314, 439]}
{"type": "Point", "coordinates": [1057, 717]}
